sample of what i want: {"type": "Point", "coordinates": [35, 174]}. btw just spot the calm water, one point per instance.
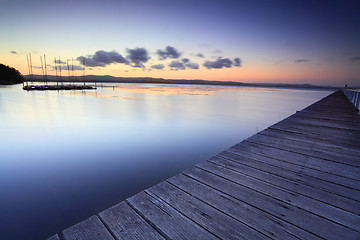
{"type": "Point", "coordinates": [65, 156]}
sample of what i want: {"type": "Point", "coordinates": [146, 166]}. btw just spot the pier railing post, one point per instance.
{"type": "Point", "coordinates": [353, 96]}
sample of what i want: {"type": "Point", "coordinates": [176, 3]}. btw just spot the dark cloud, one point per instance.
{"type": "Point", "coordinates": [219, 63]}
{"type": "Point", "coordinates": [237, 62]}
{"type": "Point", "coordinates": [192, 65]}
{"type": "Point", "coordinates": [13, 52]}
{"type": "Point", "coordinates": [217, 51]}
{"type": "Point", "coordinates": [301, 60]}
{"type": "Point", "coordinates": [170, 52]}
{"type": "Point", "coordinates": [200, 55]}
{"type": "Point", "coordinates": [183, 64]}
{"type": "Point", "coordinates": [138, 56]}
{"type": "Point", "coordinates": [177, 65]}
{"type": "Point", "coordinates": [59, 61]}
{"type": "Point", "coordinates": [102, 58]}
{"type": "Point", "coordinates": [71, 67]}
{"type": "Point", "coordinates": [76, 67]}
{"type": "Point", "coordinates": [158, 66]}
{"type": "Point", "coordinates": [354, 59]}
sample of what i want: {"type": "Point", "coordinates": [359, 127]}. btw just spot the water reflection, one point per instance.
{"type": "Point", "coordinates": [68, 155]}
{"type": "Point", "coordinates": [121, 91]}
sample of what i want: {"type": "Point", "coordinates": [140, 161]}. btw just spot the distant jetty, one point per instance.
{"type": "Point", "coordinates": [57, 87]}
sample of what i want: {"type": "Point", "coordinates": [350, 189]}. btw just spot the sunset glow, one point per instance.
{"type": "Point", "coordinates": [307, 42]}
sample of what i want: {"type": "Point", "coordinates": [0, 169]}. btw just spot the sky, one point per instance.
{"type": "Point", "coordinates": [303, 42]}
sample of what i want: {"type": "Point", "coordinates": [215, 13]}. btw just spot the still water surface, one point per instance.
{"type": "Point", "coordinates": [67, 155]}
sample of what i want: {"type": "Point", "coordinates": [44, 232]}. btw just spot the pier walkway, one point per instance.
{"type": "Point", "coordinates": [297, 179]}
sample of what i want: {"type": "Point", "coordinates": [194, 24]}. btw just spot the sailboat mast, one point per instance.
{"type": "Point", "coordinates": [67, 62]}
{"type": "Point", "coordinates": [42, 68]}
{"type": "Point", "coordinates": [72, 69]}
{"type": "Point", "coordinates": [60, 71]}
{"type": "Point", "coordinates": [57, 82]}
{"type": "Point", "coordinates": [32, 75]}
{"type": "Point", "coordinates": [84, 69]}
{"type": "Point", "coordinates": [45, 69]}
{"type": "Point", "coordinates": [27, 59]}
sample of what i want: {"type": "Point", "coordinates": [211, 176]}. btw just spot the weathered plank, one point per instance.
{"type": "Point", "coordinates": [324, 210]}
{"type": "Point", "coordinates": [339, 125]}
{"type": "Point", "coordinates": [262, 221]}
{"type": "Point", "coordinates": [89, 229]}
{"type": "Point", "coordinates": [125, 223]}
{"type": "Point", "coordinates": [319, 143]}
{"type": "Point", "coordinates": [291, 175]}
{"type": "Point", "coordinates": [351, 119]}
{"type": "Point", "coordinates": [300, 218]}
{"type": "Point", "coordinates": [169, 222]}
{"type": "Point", "coordinates": [302, 148]}
{"type": "Point", "coordinates": [309, 191]}
{"type": "Point", "coordinates": [211, 219]}
{"type": "Point", "coordinates": [347, 138]}
{"type": "Point", "coordinates": [331, 168]}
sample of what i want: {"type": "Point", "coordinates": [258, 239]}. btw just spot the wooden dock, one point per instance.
{"type": "Point", "coordinates": [298, 179]}
{"type": "Point", "coordinates": [57, 87]}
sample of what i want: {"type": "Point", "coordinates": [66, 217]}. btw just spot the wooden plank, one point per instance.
{"type": "Point", "coordinates": [166, 219]}
{"type": "Point", "coordinates": [324, 210]}
{"type": "Point", "coordinates": [346, 172]}
{"type": "Point", "coordinates": [124, 223]}
{"type": "Point", "coordinates": [90, 229]}
{"type": "Point", "coordinates": [340, 125]}
{"type": "Point", "coordinates": [303, 148]}
{"type": "Point", "coordinates": [55, 237]}
{"type": "Point", "coordinates": [305, 220]}
{"type": "Point", "coordinates": [320, 195]}
{"type": "Point", "coordinates": [292, 175]}
{"type": "Point", "coordinates": [323, 144]}
{"type": "Point", "coordinates": [352, 119]}
{"type": "Point", "coordinates": [270, 225]}
{"type": "Point", "coordinates": [216, 222]}
{"type": "Point", "coordinates": [347, 139]}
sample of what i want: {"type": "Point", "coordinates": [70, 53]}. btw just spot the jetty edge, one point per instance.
{"type": "Point", "coordinates": [297, 179]}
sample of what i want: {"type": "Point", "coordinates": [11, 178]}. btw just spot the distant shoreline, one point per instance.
{"type": "Point", "coordinates": [148, 80]}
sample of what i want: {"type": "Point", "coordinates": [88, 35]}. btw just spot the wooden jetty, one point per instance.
{"type": "Point", "coordinates": [57, 87]}
{"type": "Point", "coordinates": [298, 179]}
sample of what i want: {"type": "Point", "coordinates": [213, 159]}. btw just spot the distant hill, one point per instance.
{"type": "Point", "coordinates": [9, 75]}
{"type": "Point", "coordinates": [111, 79]}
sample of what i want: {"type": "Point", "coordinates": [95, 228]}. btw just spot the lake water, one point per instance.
{"type": "Point", "coordinates": [67, 155]}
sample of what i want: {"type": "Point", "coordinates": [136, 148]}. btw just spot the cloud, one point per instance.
{"type": "Point", "coordinates": [354, 59]}
{"type": "Point", "coordinates": [102, 58]}
{"type": "Point", "coordinates": [71, 67]}
{"type": "Point", "coordinates": [59, 61]}
{"type": "Point", "coordinates": [301, 60]}
{"type": "Point", "coordinates": [217, 51]}
{"type": "Point", "coordinates": [13, 52]}
{"type": "Point", "coordinates": [177, 65]}
{"type": "Point", "coordinates": [158, 66]}
{"type": "Point", "coordinates": [192, 65]}
{"type": "Point", "coordinates": [138, 56]}
{"type": "Point", "coordinates": [200, 55]}
{"type": "Point", "coordinates": [170, 52]}
{"type": "Point", "coordinates": [237, 62]}
{"type": "Point", "coordinates": [183, 64]}
{"type": "Point", "coordinates": [76, 67]}
{"type": "Point", "coordinates": [219, 63]}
